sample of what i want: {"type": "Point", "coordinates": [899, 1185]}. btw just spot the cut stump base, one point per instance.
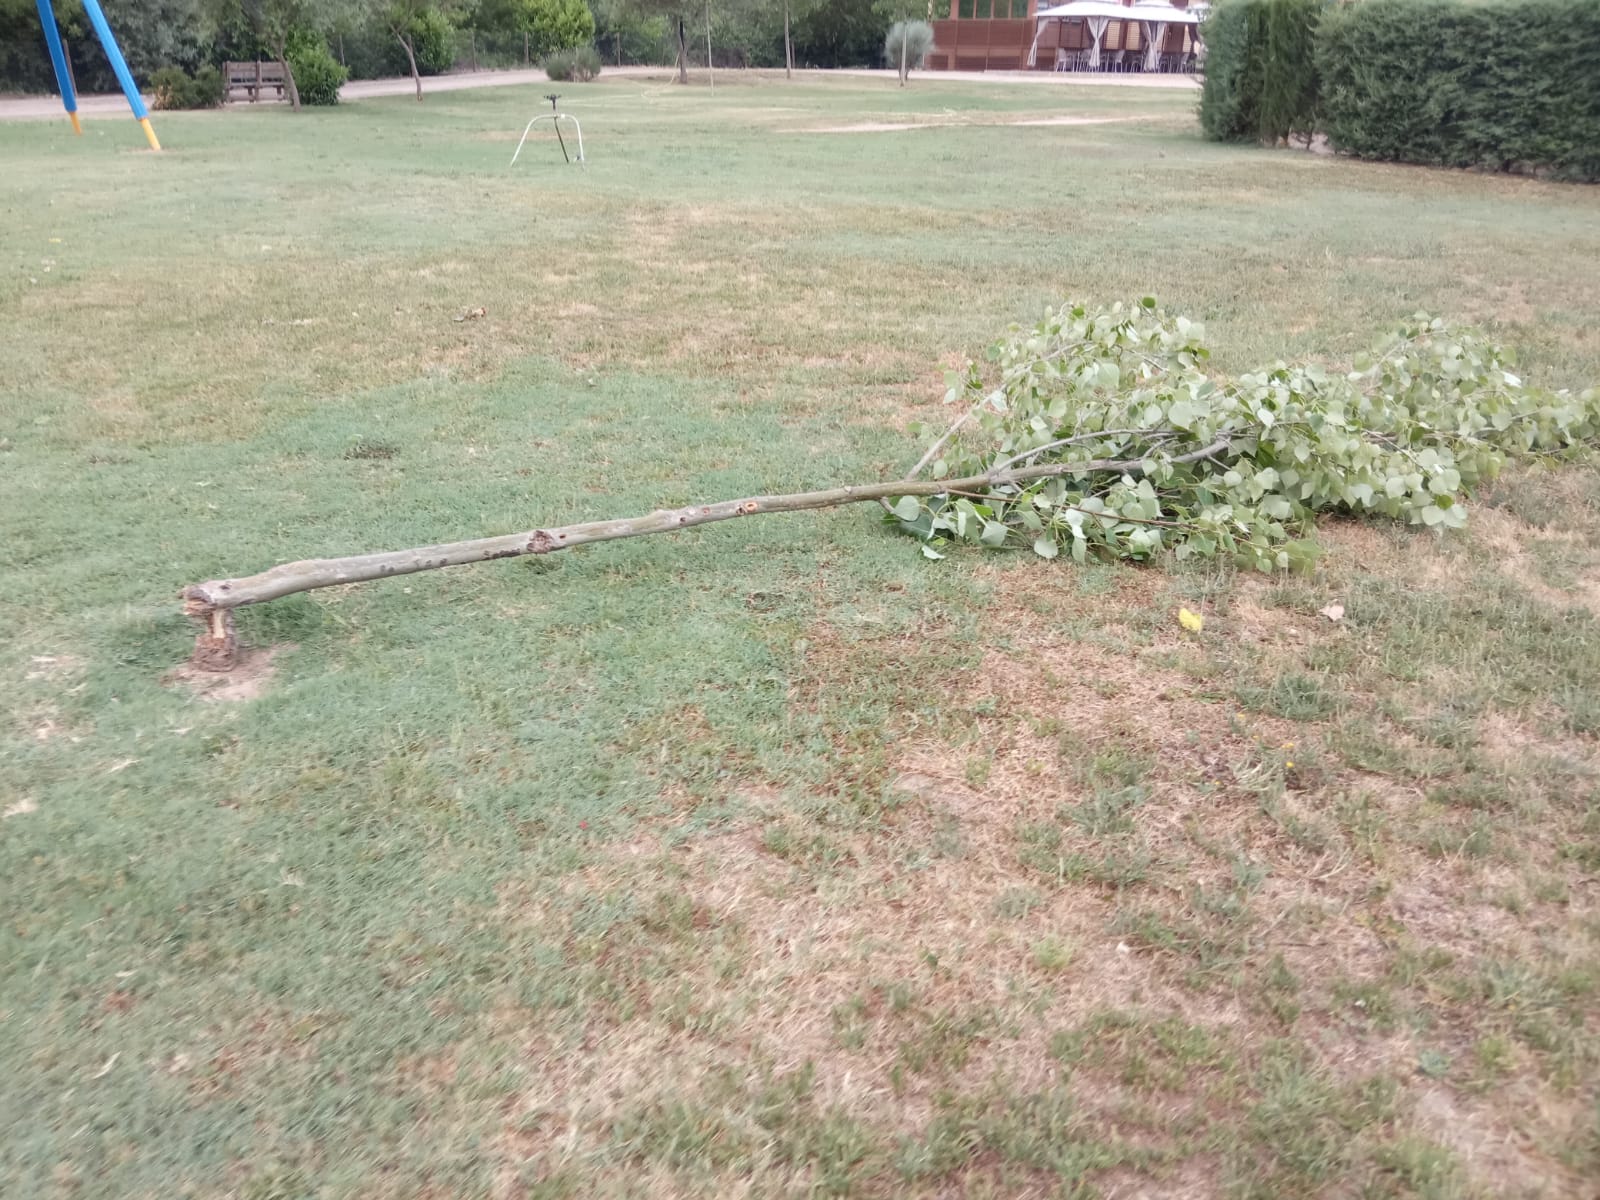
{"type": "Point", "coordinates": [216, 647]}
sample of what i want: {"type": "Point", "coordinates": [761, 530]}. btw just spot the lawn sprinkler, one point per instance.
{"type": "Point", "coordinates": [556, 117]}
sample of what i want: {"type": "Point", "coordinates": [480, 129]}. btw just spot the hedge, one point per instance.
{"type": "Point", "coordinates": [1509, 85]}
{"type": "Point", "coordinates": [1493, 84]}
{"type": "Point", "coordinates": [1261, 75]}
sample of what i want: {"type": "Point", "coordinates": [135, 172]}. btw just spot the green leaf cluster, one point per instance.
{"type": "Point", "coordinates": [551, 25]}
{"type": "Point", "coordinates": [1212, 467]}
{"type": "Point", "coordinates": [173, 88]}
{"type": "Point", "coordinates": [317, 74]}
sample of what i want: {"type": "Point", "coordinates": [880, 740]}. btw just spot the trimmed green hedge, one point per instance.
{"type": "Point", "coordinates": [1261, 74]}
{"type": "Point", "coordinates": [1493, 84]}
{"type": "Point", "coordinates": [1509, 85]}
{"type": "Point", "coordinates": [1230, 93]}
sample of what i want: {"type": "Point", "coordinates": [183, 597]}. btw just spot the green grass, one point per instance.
{"type": "Point", "coordinates": [606, 874]}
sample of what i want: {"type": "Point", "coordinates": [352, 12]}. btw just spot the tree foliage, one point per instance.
{"type": "Point", "coordinates": [907, 46]}
{"type": "Point", "coordinates": [151, 33]}
{"type": "Point", "coordinates": [838, 33]}
{"type": "Point", "coordinates": [317, 74]}
{"type": "Point", "coordinates": [676, 14]}
{"type": "Point", "coordinates": [550, 25]}
{"type": "Point", "coordinates": [275, 23]}
{"type": "Point", "coordinates": [1226, 467]}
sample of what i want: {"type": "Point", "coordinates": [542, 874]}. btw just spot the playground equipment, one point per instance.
{"type": "Point", "coordinates": [108, 41]}
{"type": "Point", "coordinates": [553, 116]}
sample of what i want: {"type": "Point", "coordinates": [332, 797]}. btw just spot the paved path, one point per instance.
{"type": "Point", "coordinates": [43, 107]}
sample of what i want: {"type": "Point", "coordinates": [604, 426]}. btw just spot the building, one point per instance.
{"type": "Point", "coordinates": [1008, 35]}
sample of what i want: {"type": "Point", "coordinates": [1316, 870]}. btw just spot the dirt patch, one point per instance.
{"type": "Point", "coordinates": [247, 681]}
{"type": "Point", "coordinates": [1494, 1155]}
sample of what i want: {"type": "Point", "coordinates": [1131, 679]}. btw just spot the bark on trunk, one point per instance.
{"type": "Point", "coordinates": [288, 76]}
{"type": "Point", "coordinates": [411, 57]}
{"type": "Point", "coordinates": [683, 53]}
{"type": "Point", "coordinates": [711, 74]}
{"type": "Point", "coordinates": [788, 46]}
{"type": "Point", "coordinates": [903, 40]}
{"type": "Point", "coordinates": [206, 600]}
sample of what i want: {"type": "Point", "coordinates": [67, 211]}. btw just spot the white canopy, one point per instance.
{"type": "Point", "coordinates": [1098, 14]}
{"type": "Point", "coordinates": [1157, 10]}
{"type": "Point", "coordinates": [1156, 16]}
{"type": "Point", "coordinates": [1109, 9]}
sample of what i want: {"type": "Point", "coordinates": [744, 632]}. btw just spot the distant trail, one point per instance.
{"type": "Point", "coordinates": [27, 108]}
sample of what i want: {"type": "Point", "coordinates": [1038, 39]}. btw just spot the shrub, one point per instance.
{"type": "Point", "coordinates": [1507, 86]}
{"type": "Point", "coordinates": [553, 25]}
{"type": "Point", "coordinates": [580, 65]}
{"type": "Point", "coordinates": [433, 41]}
{"type": "Point", "coordinates": [585, 63]}
{"type": "Point", "coordinates": [1261, 75]}
{"type": "Point", "coordinates": [317, 74]}
{"type": "Point", "coordinates": [915, 38]}
{"type": "Point", "coordinates": [174, 89]}
{"type": "Point", "coordinates": [558, 66]}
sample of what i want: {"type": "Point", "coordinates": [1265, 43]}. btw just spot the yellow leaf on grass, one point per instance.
{"type": "Point", "coordinates": [1193, 622]}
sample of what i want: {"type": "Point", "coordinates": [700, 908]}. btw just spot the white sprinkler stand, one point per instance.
{"type": "Point", "coordinates": [557, 118]}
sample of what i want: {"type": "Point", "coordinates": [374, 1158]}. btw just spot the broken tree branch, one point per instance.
{"type": "Point", "coordinates": [213, 600]}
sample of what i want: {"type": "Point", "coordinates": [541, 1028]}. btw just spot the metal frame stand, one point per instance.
{"type": "Point", "coordinates": [556, 118]}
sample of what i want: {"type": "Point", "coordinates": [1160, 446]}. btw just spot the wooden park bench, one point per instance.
{"type": "Point", "coordinates": [253, 78]}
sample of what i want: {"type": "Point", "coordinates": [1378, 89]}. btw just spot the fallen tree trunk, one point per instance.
{"type": "Point", "coordinates": [216, 648]}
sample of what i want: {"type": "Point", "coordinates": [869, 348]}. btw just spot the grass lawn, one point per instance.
{"type": "Point", "coordinates": [770, 860]}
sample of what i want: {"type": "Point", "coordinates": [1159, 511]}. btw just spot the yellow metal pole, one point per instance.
{"type": "Point", "coordinates": [149, 133]}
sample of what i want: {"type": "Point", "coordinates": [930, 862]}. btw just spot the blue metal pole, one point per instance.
{"type": "Point", "coordinates": [58, 60]}
{"type": "Point", "coordinates": [108, 41]}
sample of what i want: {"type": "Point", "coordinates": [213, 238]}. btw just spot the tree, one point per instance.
{"type": "Point", "coordinates": [793, 10]}
{"type": "Point", "coordinates": [907, 45]}
{"type": "Point", "coordinates": [545, 25]}
{"type": "Point", "coordinates": [1100, 434]}
{"type": "Point", "coordinates": [909, 38]}
{"type": "Point", "coordinates": [408, 20]}
{"type": "Point", "coordinates": [628, 31]}
{"type": "Point", "coordinates": [677, 14]}
{"type": "Point", "coordinates": [273, 22]}
{"type": "Point", "coordinates": [151, 34]}
{"type": "Point", "coordinates": [837, 33]}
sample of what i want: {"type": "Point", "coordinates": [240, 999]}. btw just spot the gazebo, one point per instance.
{"type": "Point", "coordinates": [1076, 34]}
{"type": "Point", "coordinates": [1158, 17]}
{"type": "Point", "coordinates": [1043, 35]}
{"type": "Point", "coordinates": [1095, 15]}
